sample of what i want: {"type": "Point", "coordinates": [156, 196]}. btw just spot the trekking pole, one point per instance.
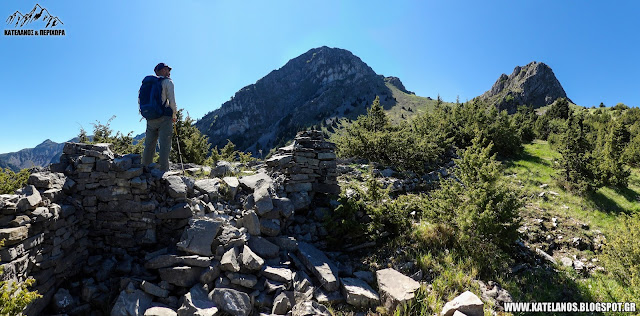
{"type": "Point", "coordinates": [175, 130]}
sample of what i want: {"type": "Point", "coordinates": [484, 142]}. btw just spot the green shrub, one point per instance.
{"type": "Point", "coordinates": [120, 143]}
{"type": "Point", "coordinates": [481, 208]}
{"type": "Point", "coordinates": [374, 203]}
{"type": "Point", "coordinates": [193, 146]}
{"type": "Point", "coordinates": [621, 255]}
{"type": "Point", "coordinates": [15, 297]}
{"type": "Point", "coordinates": [11, 181]}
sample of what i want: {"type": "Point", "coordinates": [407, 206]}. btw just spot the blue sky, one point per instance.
{"type": "Point", "coordinates": [52, 86]}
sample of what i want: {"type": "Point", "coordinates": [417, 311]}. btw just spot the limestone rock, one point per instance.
{"type": "Point", "coordinates": [263, 247]}
{"type": "Point", "coordinates": [232, 186]}
{"type": "Point", "coordinates": [256, 181]}
{"type": "Point", "coordinates": [197, 302]}
{"type": "Point", "coordinates": [251, 222]}
{"type": "Point", "coordinates": [231, 301]}
{"type": "Point", "coordinates": [197, 239]}
{"type": "Point", "coordinates": [181, 276]}
{"type": "Point", "coordinates": [208, 186]}
{"type": "Point", "coordinates": [160, 311]}
{"type": "Point", "coordinates": [178, 211]}
{"type": "Point", "coordinates": [153, 289]}
{"type": "Point", "coordinates": [250, 261]}
{"type": "Point", "coordinates": [176, 187]}
{"type": "Point", "coordinates": [466, 303]}
{"type": "Point", "coordinates": [359, 293]}
{"type": "Point", "coordinates": [395, 288]}
{"type": "Point", "coordinates": [31, 199]}
{"type": "Point", "coordinates": [131, 304]}
{"type": "Point", "coordinates": [262, 200]}
{"type": "Point", "coordinates": [318, 263]}
{"type": "Point", "coordinates": [230, 261]}
{"type": "Point", "coordinates": [282, 303]}
{"type": "Point", "coordinates": [283, 275]}
{"type": "Point", "coordinates": [310, 308]}
{"type": "Point", "coordinates": [270, 227]}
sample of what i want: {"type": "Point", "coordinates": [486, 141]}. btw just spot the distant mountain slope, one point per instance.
{"type": "Point", "coordinates": [534, 84]}
{"type": "Point", "coordinates": [39, 156]}
{"type": "Point", "coordinates": [315, 88]}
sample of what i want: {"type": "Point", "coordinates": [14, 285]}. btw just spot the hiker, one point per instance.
{"type": "Point", "coordinates": [158, 105]}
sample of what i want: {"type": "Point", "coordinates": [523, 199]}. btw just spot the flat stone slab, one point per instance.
{"type": "Point", "coordinates": [318, 263]}
{"type": "Point", "coordinates": [283, 275]}
{"type": "Point", "coordinates": [467, 303]}
{"type": "Point", "coordinates": [181, 276]}
{"type": "Point", "coordinates": [359, 293]}
{"type": "Point", "coordinates": [165, 261]}
{"type": "Point", "coordinates": [208, 186]}
{"type": "Point", "coordinates": [197, 239]}
{"type": "Point", "coordinates": [395, 288]}
{"type": "Point", "coordinates": [263, 247]}
{"type": "Point", "coordinates": [256, 181]}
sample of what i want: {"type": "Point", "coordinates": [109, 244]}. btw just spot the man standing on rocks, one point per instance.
{"type": "Point", "coordinates": [160, 129]}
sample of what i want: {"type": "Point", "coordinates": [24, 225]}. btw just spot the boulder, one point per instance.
{"type": "Point", "coordinates": [176, 187]}
{"type": "Point", "coordinates": [262, 200]}
{"type": "Point", "coordinates": [467, 303]}
{"type": "Point", "coordinates": [230, 261]}
{"type": "Point", "coordinates": [208, 186]}
{"type": "Point", "coordinates": [318, 263]}
{"type": "Point", "coordinates": [232, 185]}
{"type": "Point", "coordinates": [283, 275]}
{"type": "Point", "coordinates": [253, 182]}
{"type": "Point", "coordinates": [270, 227]}
{"type": "Point", "coordinates": [395, 288]}
{"type": "Point", "coordinates": [197, 302]}
{"type": "Point", "coordinates": [250, 261]}
{"type": "Point", "coordinates": [251, 222]}
{"type": "Point", "coordinates": [359, 293]}
{"type": "Point", "coordinates": [263, 247]}
{"type": "Point", "coordinates": [197, 239]}
{"type": "Point", "coordinates": [282, 303]}
{"type": "Point", "coordinates": [131, 304]}
{"type": "Point", "coordinates": [231, 301]}
{"type": "Point", "coordinates": [30, 200]}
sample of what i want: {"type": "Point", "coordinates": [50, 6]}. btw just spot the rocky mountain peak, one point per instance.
{"type": "Point", "coordinates": [534, 84]}
{"type": "Point", "coordinates": [320, 84]}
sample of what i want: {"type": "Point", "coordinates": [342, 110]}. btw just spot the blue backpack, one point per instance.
{"type": "Point", "coordinates": [150, 98]}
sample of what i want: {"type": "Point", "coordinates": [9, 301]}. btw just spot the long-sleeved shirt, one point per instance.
{"type": "Point", "coordinates": [168, 97]}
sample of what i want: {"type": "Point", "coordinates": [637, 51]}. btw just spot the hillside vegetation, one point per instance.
{"type": "Point", "coordinates": [542, 205]}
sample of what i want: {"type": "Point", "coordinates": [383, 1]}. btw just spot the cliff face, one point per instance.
{"type": "Point", "coordinates": [321, 84]}
{"type": "Point", "coordinates": [534, 84]}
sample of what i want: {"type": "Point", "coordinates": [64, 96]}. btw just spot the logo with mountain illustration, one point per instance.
{"type": "Point", "coordinates": [38, 13]}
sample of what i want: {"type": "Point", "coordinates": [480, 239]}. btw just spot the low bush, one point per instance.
{"type": "Point", "coordinates": [10, 181]}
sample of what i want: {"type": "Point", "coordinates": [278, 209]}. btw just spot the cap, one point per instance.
{"type": "Point", "coordinates": [161, 66]}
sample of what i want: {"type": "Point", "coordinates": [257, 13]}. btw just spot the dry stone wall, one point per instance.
{"type": "Point", "coordinates": [101, 234]}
